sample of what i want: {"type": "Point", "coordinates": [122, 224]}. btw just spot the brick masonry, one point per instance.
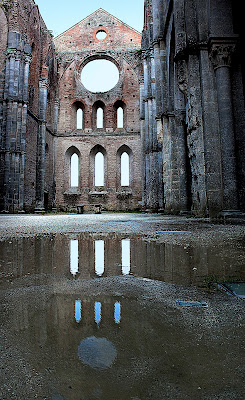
{"type": "Point", "coordinates": [181, 87]}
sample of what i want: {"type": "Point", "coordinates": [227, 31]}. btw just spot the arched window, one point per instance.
{"type": "Point", "coordinates": [99, 255]}
{"type": "Point", "coordinates": [79, 118]}
{"type": "Point", "coordinates": [125, 256]}
{"type": "Point", "coordinates": [120, 117]}
{"type": "Point", "coordinates": [74, 257]}
{"type": "Point", "coordinates": [99, 165]}
{"type": "Point", "coordinates": [100, 118]}
{"type": "Point", "coordinates": [97, 312]}
{"type": "Point", "coordinates": [117, 312]}
{"type": "Point", "coordinates": [78, 310]}
{"type": "Point", "coordinates": [125, 169]}
{"type": "Point", "coordinates": [74, 170]}
{"type": "Point", "coordinates": [119, 121]}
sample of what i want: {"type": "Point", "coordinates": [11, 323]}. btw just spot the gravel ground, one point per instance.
{"type": "Point", "coordinates": [165, 351]}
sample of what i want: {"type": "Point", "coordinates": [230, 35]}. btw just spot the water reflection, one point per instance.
{"type": "Point", "coordinates": [87, 256]}
{"type": "Point", "coordinates": [98, 353]}
{"type": "Point", "coordinates": [74, 257]}
{"type": "Point", "coordinates": [78, 311]}
{"type": "Point", "coordinates": [117, 312]}
{"type": "Point", "coordinates": [156, 351]}
{"type": "Point", "coordinates": [125, 256]}
{"type": "Point", "coordinates": [97, 312]}
{"type": "Point", "coordinates": [99, 257]}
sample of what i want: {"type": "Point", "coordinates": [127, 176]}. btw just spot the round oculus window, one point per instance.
{"type": "Point", "coordinates": [101, 35]}
{"type": "Point", "coordinates": [100, 76]}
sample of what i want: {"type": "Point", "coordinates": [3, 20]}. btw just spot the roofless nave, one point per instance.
{"type": "Point", "coordinates": [169, 135]}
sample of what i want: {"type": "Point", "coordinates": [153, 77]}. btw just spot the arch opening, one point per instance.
{"type": "Point", "coordinates": [99, 165]}
{"type": "Point", "coordinates": [100, 76]}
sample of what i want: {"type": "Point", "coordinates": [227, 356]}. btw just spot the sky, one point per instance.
{"type": "Point", "coordinates": [59, 15]}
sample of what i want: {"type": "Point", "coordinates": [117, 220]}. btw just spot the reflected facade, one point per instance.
{"type": "Point", "coordinates": [87, 256]}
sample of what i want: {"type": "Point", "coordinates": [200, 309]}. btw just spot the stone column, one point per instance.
{"type": "Point", "coordinates": [221, 57]}
{"type": "Point", "coordinates": [14, 116]}
{"type": "Point", "coordinates": [41, 138]}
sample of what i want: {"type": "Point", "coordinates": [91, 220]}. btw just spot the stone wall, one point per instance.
{"type": "Point", "coordinates": [27, 64]}
{"type": "Point", "coordinates": [194, 116]}
{"type": "Point", "coordinates": [75, 48]}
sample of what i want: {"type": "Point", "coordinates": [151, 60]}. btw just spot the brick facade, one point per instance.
{"type": "Point", "coordinates": [181, 92]}
{"type": "Point", "coordinates": [75, 48]}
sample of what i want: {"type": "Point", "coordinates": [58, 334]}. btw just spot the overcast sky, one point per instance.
{"type": "Point", "coordinates": [60, 15]}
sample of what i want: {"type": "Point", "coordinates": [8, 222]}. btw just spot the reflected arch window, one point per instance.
{"type": "Point", "coordinates": [99, 255]}
{"type": "Point", "coordinates": [99, 169]}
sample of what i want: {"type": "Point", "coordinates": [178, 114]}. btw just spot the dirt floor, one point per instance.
{"type": "Point", "coordinates": [115, 335]}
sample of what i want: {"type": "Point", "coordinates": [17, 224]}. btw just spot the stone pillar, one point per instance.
{"type": "Point", "coordinates": [41, 139]}
{"type": "Point", "coordinates": [14, 117]}
{"type": "Point", "coordinates": [221, 55]}
{"type": "Point", "coordinates": [142, 130]}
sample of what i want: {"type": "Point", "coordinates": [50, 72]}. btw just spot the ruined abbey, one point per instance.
{"type": "Point", "coordinates": [169, 136]}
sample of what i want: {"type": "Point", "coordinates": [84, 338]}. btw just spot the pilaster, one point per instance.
{"type": "Point", "coordinates": [221, 52]}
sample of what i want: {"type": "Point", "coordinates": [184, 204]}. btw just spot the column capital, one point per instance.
{"type": "Point", "coordinates": [221, 51]}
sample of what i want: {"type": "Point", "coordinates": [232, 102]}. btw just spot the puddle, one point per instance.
{"type": "Point", "coordinates": [84, 340]}
{"type": "Point", "coordinates": [88, 256]}
{"type": "Point", "coordinates": [234, 288]}
{"type": "Point", "coordinates": [87, 346]}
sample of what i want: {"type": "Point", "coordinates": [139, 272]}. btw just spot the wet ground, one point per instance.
{"type": "Point", "coordinates": [120, 306]}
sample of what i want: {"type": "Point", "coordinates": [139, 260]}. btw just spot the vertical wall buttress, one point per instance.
{"type": "Point", "coordinates": [14, 122]}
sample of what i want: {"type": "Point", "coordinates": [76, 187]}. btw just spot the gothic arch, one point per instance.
{"type": "Point", "coordinates": [77, 116]}
{"type": "Point", "coordinates": [121, 151]}
{"type": "Point", "coordinates": [98, 105]}
{"type": "Point", "coordinates": [120, 104]}
{"type": "Point", "coordinates": [67, 167]}
{"type": "Point", "coordinates": [98, 149]}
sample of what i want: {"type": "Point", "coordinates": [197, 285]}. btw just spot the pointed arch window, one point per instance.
{"type": "Point", "coordinates": [120, 117]}
{"type": "Point", "coordinates": [74, 170]}
{"type": "Point", "coordinates": [99, 169]}
{"type": "Point", "coordinates": [125, 179]}
{"type": "Point", "coordinates": [79, 118]}
{"type": "Point", "coordinates": [100, 118]}
{"type": "Point", "coordinates": [119, 114]}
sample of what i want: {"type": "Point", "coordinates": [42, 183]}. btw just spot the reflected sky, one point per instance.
{"type": "Point", "coordinates": [99, 257]}
{"type": "Point", "coordinates": [74, 257]}
{"type": "Point", "coordinates": [78, 311]}
{"type": "Point", "coordinates": [98, 353]}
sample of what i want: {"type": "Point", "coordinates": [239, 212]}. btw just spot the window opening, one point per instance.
{"type": "Point", "coordinates": [97, 312]}
{"type": "Point", "coordinates": [117, 312]}
{"type": "Point", "coordinates": [124, 169]}
{"type": "Point", "coordinates": [79, 118]}
{"type": "Point", "coordinates": [78, 311]}
{"type": "Point", "coordinates": [99, 257]}
{"type": "Point", "coordinates": [125, 245]}
{"type": "Point", "coordinates": [99, 170]}
{"type": "Point", "coordinates": [74, 170]}
{"type": "Point", "coordinates": [99, 76]}
{"type": "Point", "coordinates": [120, 117]}
{"type": "Point", "coordinates": [100, 117]}
{"type": "Point", "coordinates": [101, 35]}
{"type": "Point", "coordinates": [74, 257]}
